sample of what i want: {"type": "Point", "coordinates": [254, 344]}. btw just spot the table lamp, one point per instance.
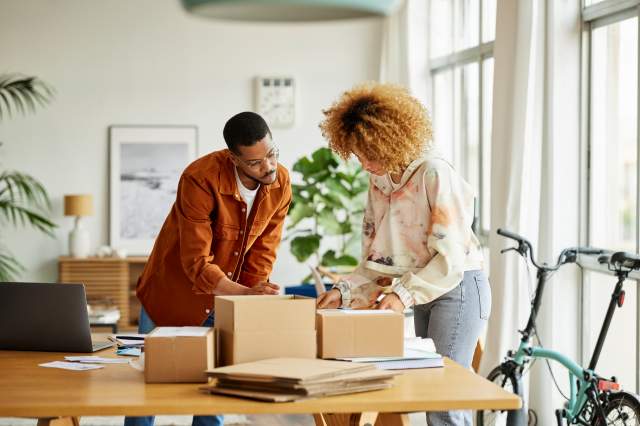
{"type": "Point", "coordinates": [78, 205]}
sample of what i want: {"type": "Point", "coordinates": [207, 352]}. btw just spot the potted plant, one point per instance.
{"type": "Point", "coordinates": [23, 199]}
{"type": "Point", "coordinates": [326, 213]}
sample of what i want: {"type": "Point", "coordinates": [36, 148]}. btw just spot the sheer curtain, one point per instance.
{"type": "Point", "coordinates": [516, 163]}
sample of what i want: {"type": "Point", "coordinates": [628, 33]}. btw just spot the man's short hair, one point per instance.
{"type": "Point", "coordinates": [244, 129]}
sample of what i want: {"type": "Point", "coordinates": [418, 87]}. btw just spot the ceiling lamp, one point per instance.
{"type": "Point", "coordinates": [290, 10]}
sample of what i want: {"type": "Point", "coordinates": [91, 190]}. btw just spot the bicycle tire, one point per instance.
{"type": "Point", "coordinates": [622, 409]}
{"type": "Point", "coordinates": [497, 417]}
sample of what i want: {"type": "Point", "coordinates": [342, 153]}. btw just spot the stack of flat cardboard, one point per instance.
{"type": "Point", "coordinates": [290, 379]}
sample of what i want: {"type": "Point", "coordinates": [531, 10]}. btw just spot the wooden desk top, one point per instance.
{"type": "Point", "coordinates": [118, 389]}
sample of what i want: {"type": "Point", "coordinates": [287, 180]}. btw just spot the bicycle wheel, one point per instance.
{"type": "Point", "coordinates": [623, 409]}
{"type": "Point", "coordinates": [497, 417]}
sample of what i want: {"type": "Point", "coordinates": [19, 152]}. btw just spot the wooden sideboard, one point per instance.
{"type": "Point", "coordinates": [107, 278]}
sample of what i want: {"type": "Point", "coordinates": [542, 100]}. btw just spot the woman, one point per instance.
{"type": "Point", "coordinates": [419, 250]}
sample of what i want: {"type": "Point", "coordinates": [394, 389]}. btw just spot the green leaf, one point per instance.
{"type": "Point", "coordinates": [325, 157]}
{"type": "Point", "coordinates": [300, 211]}
{"type": "Point", "coordinates": [9, 266]}
{"type": "Point", "coordinates": [303, 247]}
{"type": "Point", "coordinates": [318, 167]}
{"type": "Point", "coordinates": [23, 200]}
{"type": "Point", "coordinates": [331, 225]}
{"type": "Point", "coordinates": [329, 259]}
{"type": "Point", "coordinates": [22, 94]}
{"type": "Point", "coordinates": [336, 186]}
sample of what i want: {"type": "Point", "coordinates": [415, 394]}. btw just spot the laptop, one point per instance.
{"type": "Point", "coordinates": [45, 317]}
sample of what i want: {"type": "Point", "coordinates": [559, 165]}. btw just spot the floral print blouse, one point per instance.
{"type": "Point", "coordinates": [417, 239]}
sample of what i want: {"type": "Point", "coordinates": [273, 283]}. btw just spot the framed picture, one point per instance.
{"type": "Point", "coordinates": [145, 166]}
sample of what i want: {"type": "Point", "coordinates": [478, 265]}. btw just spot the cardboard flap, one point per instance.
{"type": "Point", "coordinates": [259, 313]}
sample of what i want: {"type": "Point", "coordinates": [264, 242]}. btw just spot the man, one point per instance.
{"type": "Point", "coordinates": [221, 235]}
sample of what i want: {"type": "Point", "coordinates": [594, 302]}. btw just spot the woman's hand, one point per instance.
{"type": "Point", "coordinates": [391, 301]}
{"type": "Point", "coordinates": [331, 299]}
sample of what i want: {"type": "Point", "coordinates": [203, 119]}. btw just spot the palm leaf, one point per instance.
{"type": "Point", "coordinates": [23, 201]}
{"type": "Point", "coordinates": [18, 186]}
{"type": "Point", "coordinates": [22, 94]}
{"type": "Point", "coordinates": [9, 266]}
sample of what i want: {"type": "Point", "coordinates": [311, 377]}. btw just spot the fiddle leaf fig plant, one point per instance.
{"type": "Point", "coordinates": [329, 203]}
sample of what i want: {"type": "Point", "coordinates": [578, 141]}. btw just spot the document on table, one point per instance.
{"type": "Point", "coordinates": [96, 359]}
{"type": "Point", "coordinates": [77, 366]}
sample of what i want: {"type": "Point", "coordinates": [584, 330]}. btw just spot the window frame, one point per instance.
{"type": "Point", "coordinates": [596, 16]}
{"type": "Point", "coordinates": [450, 62]}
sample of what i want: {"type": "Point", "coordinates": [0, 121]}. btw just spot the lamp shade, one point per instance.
{"type": "Point", "coordinates": [78, 205]}
{"type": "Point", "coordinates": [290, 10]}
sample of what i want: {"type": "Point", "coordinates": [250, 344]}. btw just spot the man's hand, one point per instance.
{"type": "Point", "coordinates": [331, 299]}
{"type": "Point", "coordinates": [263, 288]}
{"type": "Point", "coordinates": [391, 301]}
{"type": "Point", "coordinates": [227, 287]}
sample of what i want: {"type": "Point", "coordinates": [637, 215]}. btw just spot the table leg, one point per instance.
{"type": "Point", "coordinates": [345, 419]}
{"type": "Point", "coordinates": [59, 421]}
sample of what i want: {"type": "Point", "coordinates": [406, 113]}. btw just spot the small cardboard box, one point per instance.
{"type": "Point", "coordinates": [253, 328]}
{"type": "Point", "coordinates": [179, 354]}
{"type": "Point", "coordinates": [359, 333]}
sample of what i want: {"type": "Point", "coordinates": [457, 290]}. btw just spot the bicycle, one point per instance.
{"type": "Point", "coordinates": [593, 400]}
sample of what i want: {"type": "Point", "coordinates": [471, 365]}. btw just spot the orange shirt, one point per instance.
{"type": "Point", "coordinates": [206, 236]}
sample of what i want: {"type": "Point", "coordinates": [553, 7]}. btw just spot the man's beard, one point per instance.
{"type": "Point", "coordinates": [259, 180]}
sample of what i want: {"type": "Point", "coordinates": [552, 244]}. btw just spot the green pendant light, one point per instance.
{"type": "Point", "coordinates": [290, 10]}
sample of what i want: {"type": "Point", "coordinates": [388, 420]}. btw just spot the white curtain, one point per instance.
{"type": "Point", "coordinates": [535, 180]}
{"type": "Point", "coordinates": [515, 160]}
{"type": "Point", "coordinates": [403, 58]}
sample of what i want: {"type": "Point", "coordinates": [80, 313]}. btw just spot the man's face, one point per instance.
{"type": "Point", "coordinates": [258, 162]}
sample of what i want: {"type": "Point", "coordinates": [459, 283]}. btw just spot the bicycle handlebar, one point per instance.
{"type": "Point", "coordinates": [512, 235]}
{"type": "Point", "coordinates": [568, 255]}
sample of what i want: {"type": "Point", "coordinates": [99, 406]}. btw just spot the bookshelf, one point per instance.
{"type": "Point", "coordinates": [107, 278]}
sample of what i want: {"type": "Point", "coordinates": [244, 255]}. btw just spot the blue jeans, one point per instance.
{"type": "Point", "coordinates": [145, 325]}
{"type": "Point", "coordinates": [454, 321]}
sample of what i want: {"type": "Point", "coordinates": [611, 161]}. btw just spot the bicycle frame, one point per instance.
{"type": "Point", "coordinates": [582, 382]}
{"type": "Point", "coordinates": [580, 379]}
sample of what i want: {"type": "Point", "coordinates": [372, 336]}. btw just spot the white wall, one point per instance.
{"type": "Point", "coordinates": [148, 62]}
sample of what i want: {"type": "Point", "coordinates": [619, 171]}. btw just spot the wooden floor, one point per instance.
{"type": "Point", "coordinates": [281, 420]}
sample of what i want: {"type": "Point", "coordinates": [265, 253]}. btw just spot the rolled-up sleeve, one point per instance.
{"type": "Point", "coordinates": [194, 204]}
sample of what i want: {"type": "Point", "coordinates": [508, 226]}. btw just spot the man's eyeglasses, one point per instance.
{"type": "Point", "coordinates": [272, 156]}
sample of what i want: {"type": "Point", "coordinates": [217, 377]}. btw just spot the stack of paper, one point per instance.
{"type": "Point", "coordinates": [128, 340]}
{"type": "Point", "coordinates": [290, 379]}
{"type": "Point", "coordinates": [418, 353]}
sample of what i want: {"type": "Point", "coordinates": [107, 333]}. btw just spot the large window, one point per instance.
{"type": "Point", "coordinates": [611, 51]}
{"type": "Point", "coordinates": [461, 66]}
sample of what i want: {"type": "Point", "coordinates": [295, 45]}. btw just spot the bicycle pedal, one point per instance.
{"type": "Point", "coordinates": [608, 385]}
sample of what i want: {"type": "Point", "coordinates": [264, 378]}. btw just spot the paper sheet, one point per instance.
{"type": "Point", "coordinates": [96, 359]}
{"type": "Point", "coordinates": [77, 366]}
{"type": "Point", "coordinates": [180, 331]}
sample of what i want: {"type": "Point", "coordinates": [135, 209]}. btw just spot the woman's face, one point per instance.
{"type": "Point", "coordinates": [371, 166]}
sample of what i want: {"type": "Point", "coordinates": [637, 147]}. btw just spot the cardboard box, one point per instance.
{"type": "Point", "coordinates": [252, 328]}
{"type": "Point", "coordinates": [359, 333]}
{"type": "Point", "coordinates": [179, 354]}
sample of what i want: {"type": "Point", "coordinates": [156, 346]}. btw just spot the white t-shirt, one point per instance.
{"type": "Point", "coordinates": [248, 195]}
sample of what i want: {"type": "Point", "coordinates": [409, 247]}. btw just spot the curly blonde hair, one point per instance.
{"type": "Point", "coordinates": [382, 121]}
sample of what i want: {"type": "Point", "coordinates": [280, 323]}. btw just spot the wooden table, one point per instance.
{"type": "Point", "coordinates": [59, 397]}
